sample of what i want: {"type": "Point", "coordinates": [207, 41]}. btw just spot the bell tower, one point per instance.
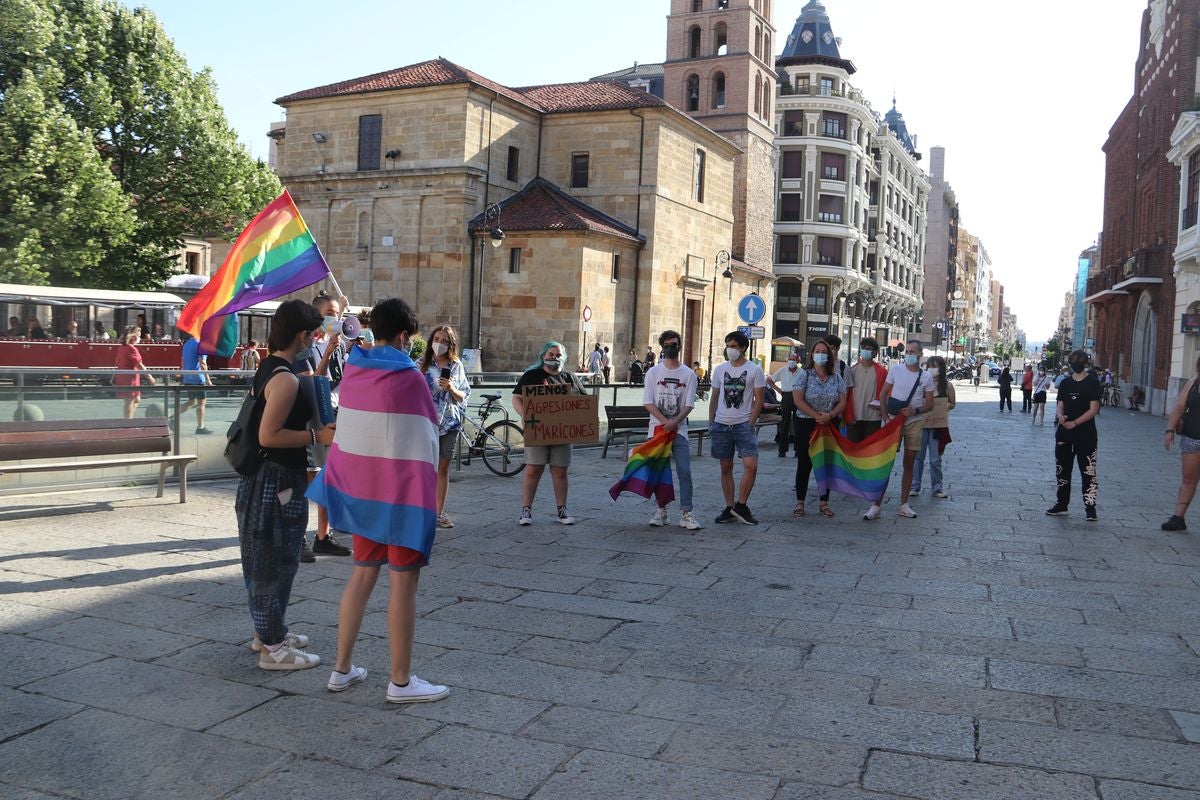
{"type": "Point", "coordinates": [720, 71]}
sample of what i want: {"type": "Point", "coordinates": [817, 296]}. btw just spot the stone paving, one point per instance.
{"type": "Point", "coordinates": [982, 651]}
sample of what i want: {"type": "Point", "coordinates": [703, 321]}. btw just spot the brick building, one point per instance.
{"type": "Point", "coordinates": [1133, 291]}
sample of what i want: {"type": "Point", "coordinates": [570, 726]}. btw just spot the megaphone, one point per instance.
{"type": "Point", "coordinates": [348, 328]}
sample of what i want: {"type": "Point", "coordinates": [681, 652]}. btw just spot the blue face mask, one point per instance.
{"type": "Point", "coordinates": [406, 348]}
{"type": "Point", "coordinates": [820, 358]}
{"type": "Point", "coordinates": [911, 360]}
{"type": "Point", "coordinates": [304, 353]}
{"type": "Point", "coordinates": [866, 355]}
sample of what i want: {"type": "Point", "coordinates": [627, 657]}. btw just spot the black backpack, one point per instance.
{"type": "Point", "coordinates": [242, 449]}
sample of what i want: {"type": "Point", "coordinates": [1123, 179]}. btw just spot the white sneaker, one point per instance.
{"type": "Point", "coordinates": [565, 517]}
{"type": "Point", "coordinates": [417, 691]}
{"type": "Point", "coordinates": [688, 522]}
{"type": "Point", "coordinates": [287, 658]}
{"type": "Point", "coordinates": [526, 517]}
{"type": "Point", "coordinates": [940, 494]}
{"type": "Point", "coordinates": [341, 681]}
{"type": "Point", "coordinates": [905, 510]}
{"type": "Point", "coordinates": [872, 513]}
{"type": "Point", "coordinates": [297, 640]}
{"type": "Point", "coordinates": [659, 519]}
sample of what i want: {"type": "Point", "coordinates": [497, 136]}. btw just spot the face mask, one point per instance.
{"type": "Point", "coordinates": [1078, 365]}
{"type": "Point", "coordinates": [440, 348]}
{"type": "Point", "coordinates": [792, 363]}
{"type": "Point", "coordinates": [331, 325]}
{"type": "Point", "coordinates": [732, 353]}
{"type": "Point", "coordinates": [551, 364]}
{"type": "Point", "coordinates": [406, 348]}
{"type": "Point", "coordinates": [304, 353]}
{"type": "Point", "coordinates": [671, 351]}
{"type": "Point", "coordinates": [368, 338]}
{"type": "Point", "coordinates": [866, 355]}
{"type": "Point", "coordinates": [820, 359]}
{"type": "Point", "coordinates": [911, 360]}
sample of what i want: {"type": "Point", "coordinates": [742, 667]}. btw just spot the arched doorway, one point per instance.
{"type": "Point", "coordinates": [1141, 361]}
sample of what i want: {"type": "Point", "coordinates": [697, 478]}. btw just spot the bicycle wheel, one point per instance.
{"type": "Point", "coordinates": [1116, 398]}
{"type": "Point", "coordinates": [503, 448]}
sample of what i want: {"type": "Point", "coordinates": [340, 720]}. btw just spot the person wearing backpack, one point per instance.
{"type": "Point", "coordinates": [272, 511]}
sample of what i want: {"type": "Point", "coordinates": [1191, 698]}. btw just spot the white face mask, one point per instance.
{"type": "Point", "coordinates": [792, 364]}
{"type": "Point", "coordinates": [440, 348]}
{"type": "Point", "coordinates": [732, 353]}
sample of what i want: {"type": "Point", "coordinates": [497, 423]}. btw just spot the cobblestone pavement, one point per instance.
{"type": "Point", "coordinates": [983, 650]}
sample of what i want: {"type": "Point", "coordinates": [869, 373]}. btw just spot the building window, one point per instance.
{"type": "Point", "coordinates": [1193, 191]}
{"type": "Point", "coordinates": [579, 171]}
{"type": "Point", "coordinates": [818, 298]}
{"type": "Point", "coordinates": [370, 139]}
{"type": "Point", "coordinates": [790, 207]}
{"type": "Point", "coordinates": [787, 296]}
{"type": "Point", "coordinates": [768, 93]}
{"type": "Point", "coordinates": [788, 250]}
{"type": "Point", "coordinates": [833, 166]}
{"type": "Point", "coordinates": [514, 164]}
{"type": "Point", "coordinates": [697, 5]}
{"type": "Point", "coordinates": [831, 208]}
{"type": "Point", "coordinates": [721, 39]}
{"type": "Point", "coordinates": [803, 84]}
{"type": "Point", "coordinates": [758, 95]}
{"type": "Point", "coordinates": [694, 42]}
{"type": "Point", "coordinates": [829, 251]}
{"type": "Point", "coordinates": [767, 55]}
{"type": "Point", "coordinates": [793, 123]}
{"type": "Point", "coordinates": [757, 42]}
{"type": "Point", "coordinates": [693, 93]}
{"type": "Point", "coordinates": [793, 164]}
{"type": "Point", "coordinates": [698, 177]}
{"type": "Point", "coordinates": [718, 90]}
{"type": "Point", "coordinates": [616, 267]}
{"type": "Point", "coordinates": [514, 261]}
{"type": "Point", "coordinates": [833, 125]}
{"type": "Point", "coordinates": [192, 259]}
{"type": "Point", "coordinates": [826, 87]}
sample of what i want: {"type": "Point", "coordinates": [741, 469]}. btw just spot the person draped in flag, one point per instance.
{"type": "Point", "coordinates": [669, 396]}
{"type": "Point", "coordinates": [380, 484]}
{"type": "Point", "coordinates": [911, 389]}
{"type": "Point", "coordinates": [819, 395]}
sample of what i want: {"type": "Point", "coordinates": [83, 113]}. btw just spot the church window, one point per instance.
{"type": "Point", "coordinates": [693, 93]}
{"type": "Point", "coordinates": [766, 90]}
{"type": "Point", "coordinates": [616, 267]}
{"type": "Point", "coordinates": [757, 42]}
{"type": "Point", "coordinates": [718, 90]}
{"type": "Point", "coordinates": [579, 171]}
{"type": "Point", "coordinates": [698, 176]}
{"type": "Point", "coordinates": [757, 94]}
{"type": "Point", "coordinates": [514, 164]}
{"type": "Point", "coordinates": [721, 39]}
{"type": "Point", "coordinates": [767, 55]}
{"type": "Point", "coordinates": [694, 42]}
{"type": "Point", "coordinates": [697, 5]}
{"type": "Point", "coordinates": [370, 134]}
{"type": "Point", "coordinates": [514, 261]}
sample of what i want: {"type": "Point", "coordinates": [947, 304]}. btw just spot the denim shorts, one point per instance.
{"type": "Point", "coordinates": [725, 438]}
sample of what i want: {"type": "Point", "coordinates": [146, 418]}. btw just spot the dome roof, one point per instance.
{"type": "Point", "coordinates": [895, 121]}
{"type": "Point", "coordinates": [812, 40]}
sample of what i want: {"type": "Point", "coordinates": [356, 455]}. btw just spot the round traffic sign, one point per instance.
{"type": "Point", "coordinates": [752, 309]}
{"type": "Point", "coordinates": [587, 313]}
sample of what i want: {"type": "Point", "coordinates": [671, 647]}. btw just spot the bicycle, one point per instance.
{"type": "Point", "coordinates": [1111, 396]}
{"type": "Point", "coordinates": [501, 444]}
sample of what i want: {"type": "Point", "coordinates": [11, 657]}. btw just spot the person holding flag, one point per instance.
{"type": "Point", "coordinates": [669, 396]}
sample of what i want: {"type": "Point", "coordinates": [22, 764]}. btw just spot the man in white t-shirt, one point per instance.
{"type": "Point", "coordinates": [782, 381]}
{"type": "Point", "coordinates": [669, 396]}
{"type": "Point", "coordinates": [907, 383]}
{"type": "Point", "coordinates": [737, 400]}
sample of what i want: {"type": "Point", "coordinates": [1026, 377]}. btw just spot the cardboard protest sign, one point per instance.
{"type": "Point", "coordinates": [553, 415]}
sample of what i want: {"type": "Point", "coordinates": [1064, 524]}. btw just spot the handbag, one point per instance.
{"type": "Point", "coordinates": [242, 449]}
{"type": "Point", "coordinates": [894, 406]}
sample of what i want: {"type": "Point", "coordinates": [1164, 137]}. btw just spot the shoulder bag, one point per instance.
{"type": "Point", "coordinates": [894, 406]}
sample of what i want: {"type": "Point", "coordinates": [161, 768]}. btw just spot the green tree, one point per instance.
{"type": "Point", "coordinates": [156, 125]}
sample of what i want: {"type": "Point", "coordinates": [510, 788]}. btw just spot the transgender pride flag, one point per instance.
{"type": "Point", "coordinates": [380, 480]}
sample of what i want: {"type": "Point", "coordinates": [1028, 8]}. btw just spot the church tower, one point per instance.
{"type": "Point", "coordinates": [720, 70]}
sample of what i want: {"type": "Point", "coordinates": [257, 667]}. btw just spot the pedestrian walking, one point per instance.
{"type": "Point", "coordinates": [1075, 438]}
{"type": "Point", "coordinates": [547, 372]}
{"type": "Point", "coordinates": [908, 391]}
{"type": "Point", "coordinates": [1006, 382]}
{"type": "Point", "coordinates": [1027, 389]}
{"type": "Point", "coordinates": [862, 398]}
{"type": "Point", "coordinates": [272, 511]}
{"type": "Point", "coordinates": [669, 396]}
{"type": "Point", "coordinates": [1040, 388]}
{"type": "Point", "coordinates": [595, 361]}
{"type": "Point", "coordinates": [737, 400]}
{"type": "Point", "coordinates": [195, 376]}
{"type": "Point", "coordinates": [129, 359]}
{"type": "Point", "coordinates": [936, 433]}
{"type": "Point", "coordinates": [783, 381]}
{"type": "Point", "coordinates": [1184, 426]}
{"type": "Point", "coordinates": [378, 484]}
{"type": "Point", "coordinates": [819, 395]}
{"type": "Point", "coordinates": [449, 387]}
{"type": "Point", "coordinates": [606, 366]}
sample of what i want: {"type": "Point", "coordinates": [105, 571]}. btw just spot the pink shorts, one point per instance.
{"type": "Point", "coordinates": [368, 553]}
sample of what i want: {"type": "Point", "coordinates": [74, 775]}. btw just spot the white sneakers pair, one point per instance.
{"type": "Point", "coordinates": [905, 510]}
{"type": "Point", "coordinates": [416, 690]}
{"type": "Point", "coordinates": [289, 656]}
{"type": "Point", "coordinates": [686, 520]}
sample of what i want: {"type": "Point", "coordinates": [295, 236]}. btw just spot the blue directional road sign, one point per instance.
{"type": "Point", "coordinates": [752, 309]}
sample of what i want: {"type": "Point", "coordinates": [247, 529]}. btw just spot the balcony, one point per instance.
{"type": "Point", "coordinates": [1145, 267]}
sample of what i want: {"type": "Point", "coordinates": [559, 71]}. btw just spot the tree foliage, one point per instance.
{"type": "Point", "coordinates": [111, 148]}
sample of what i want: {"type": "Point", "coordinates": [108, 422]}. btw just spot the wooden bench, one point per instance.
{"type": "Point", "coordinates": [73, 439]}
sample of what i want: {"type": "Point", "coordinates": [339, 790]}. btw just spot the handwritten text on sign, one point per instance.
{"type": "Point", "coordinates": [555, 416]}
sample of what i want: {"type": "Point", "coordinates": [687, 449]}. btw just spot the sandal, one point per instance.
{"type": "Point", "coordinates": [798, 511]}
{"type": "Point", "coordinates": [826, 511]}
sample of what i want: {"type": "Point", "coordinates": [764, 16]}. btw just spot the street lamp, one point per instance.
{"type": "Point", "coordinates": [491, 223]}
{"type": "Point", "coordinates": [722, 258]}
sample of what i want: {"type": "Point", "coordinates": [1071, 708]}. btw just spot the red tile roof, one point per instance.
{"type": "Point", "coordinates": [542, 206]}
{"type": "Point", "coordinates": [549, 98]}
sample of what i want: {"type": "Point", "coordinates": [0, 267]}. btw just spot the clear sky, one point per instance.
{"type": "Point", "coordinates": [1021, 95]}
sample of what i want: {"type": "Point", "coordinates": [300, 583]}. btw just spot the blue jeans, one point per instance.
{"type": "Point", "coordinates": [928, 442]}
{"type": "Point", "coordinates": [682, 453]}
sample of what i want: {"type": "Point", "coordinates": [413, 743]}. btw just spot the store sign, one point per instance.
{"type": "Point", "coordinates": [1189, 323]}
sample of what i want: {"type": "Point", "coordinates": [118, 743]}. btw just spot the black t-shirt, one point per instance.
{"type": "Point", "coordinates": [297, 418]}
{"type": "Point", "coordinates": [539, 377]}
{"type": "Point", "coordinates": [1077, 396]}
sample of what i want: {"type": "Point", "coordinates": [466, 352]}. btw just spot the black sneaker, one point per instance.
{"type": "Point", "coordinates": [727, 515]}
{"type": "Point", "coordinates": [203, 431]}
{"type": "Point", "coordinates": [1058, 510]}
{"type": "Point", "coordinates": [1090, 511]}
{"type": "Point", "coordinates": [742, 512]}
{"type": "Point", "coordinates": [329, 546]}
{"type": "Point", "coordinates": [1175, 523]}
{"type": "Point", "coordinates": [306, 553]}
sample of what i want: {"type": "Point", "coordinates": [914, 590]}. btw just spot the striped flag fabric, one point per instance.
{"type": "Point", "coordinates": [861, 469]}
{"type": "Point", "coordinates": [648, 471]}
{"type": "Point", "coordinates": [380, 480]}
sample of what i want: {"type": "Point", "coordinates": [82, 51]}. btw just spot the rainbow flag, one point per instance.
{"type": "Point", "coordinates": [275, 255]}
{"type": "Point", "coordinates": [648, 472]}
{"type": "Point", "coordinates": [861, 469]}
{"type": "Point", "coordinates": [380, 480]}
